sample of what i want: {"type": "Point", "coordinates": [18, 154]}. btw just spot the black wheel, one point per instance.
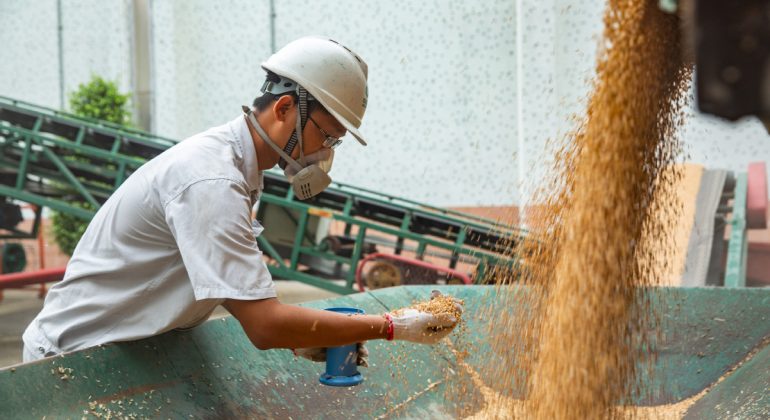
{"type": "Point", "coordinates": [14, 258]}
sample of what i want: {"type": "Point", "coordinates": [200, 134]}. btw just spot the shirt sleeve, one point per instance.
{"type": "Point", "coordinates": [211, 223]}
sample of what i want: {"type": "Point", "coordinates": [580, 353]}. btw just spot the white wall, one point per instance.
{"type": "Point", "coordinates": [96, 39]}
{"type": "Point", "coordinates": [441, 114]}
{"type": "Point", "coordinates": [464, 94]}
{"type": "Point", "coordinates": [29, 63]}
{"type": "Point", "coordinates": [206, 57]}
{"type": "Point", "coordinates": [556, 49]}
{"type": "Point", "coordinates": [441, 85]}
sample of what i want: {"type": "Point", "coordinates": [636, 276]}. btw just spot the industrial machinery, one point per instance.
{"type": "Point", "coordinates": [344, 239]}
{"type": "Point", "coordinates": [719, 207]}
{"type": "Point", "coordinates": [13, 258]}
{"type": "Point", "coordinates": [730, 45]}
{"type": "Point", "coordinates": [72, 165]}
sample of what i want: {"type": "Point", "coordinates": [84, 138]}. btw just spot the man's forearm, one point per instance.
{"type": "Point", "coordinates": [298, 327]}
{"type": "Point", "coordinates": [276, 325]}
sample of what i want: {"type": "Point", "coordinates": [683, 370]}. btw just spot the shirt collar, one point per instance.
{"type": "Point", "coordinates": [250, 167]}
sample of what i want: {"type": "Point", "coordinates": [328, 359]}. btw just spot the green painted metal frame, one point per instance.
{"type": "Point", "coordinates": [25, 151]}
{"type": "Point", "coordinates": [420, 208]}
{"type": "Point", "coordinates": [32, 232]}
{"type": "Point", "coordinates": [363, 228]}
{"type": "Point", "coordinates": [412, 211]}
{"type": "Point", "coordinates": [213, 371]}
{"type": "Point", "coordinates": [96, 157]}
{"type": "Point", "coordinates": [738, 247]}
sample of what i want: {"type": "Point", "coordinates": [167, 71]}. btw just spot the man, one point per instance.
{"type": "Point", "coordinates": [177, 239]}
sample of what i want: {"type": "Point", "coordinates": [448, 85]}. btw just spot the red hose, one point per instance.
{"type": "Point", "coordinates": [16, 280]}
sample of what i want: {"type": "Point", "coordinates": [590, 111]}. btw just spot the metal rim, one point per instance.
{"type": "Point", "coordinates": [383, 274]}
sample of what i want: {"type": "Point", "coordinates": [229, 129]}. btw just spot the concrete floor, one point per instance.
{"type": "Point", "coordinates": [19, 307]}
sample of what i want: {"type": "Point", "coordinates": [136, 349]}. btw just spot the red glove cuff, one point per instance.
{"type": "Point", "coordinates": [390, 327]}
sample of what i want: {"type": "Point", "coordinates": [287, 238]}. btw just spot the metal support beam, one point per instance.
{"type": "Point", "coordinates": [70, 177]}
{"type": "Point", "coordinates": [738, 249]}
{"type": "Point", "coordinates": [357, 250]}
{"type": "Point", "coordinates": [60, 43]}
{"type": "Point", "coordinates": [264, 244]}
{"type": "Point", "coordinates": [142, 74]}
{"type": "Point", "coordinates": [57, 205]}
{"type": "Point", "coordinates": [298, 237]}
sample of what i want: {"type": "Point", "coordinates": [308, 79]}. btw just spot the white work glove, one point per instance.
{"type": "Point", "coordinates": [323, 158]}
{"type": "Point", "coordinates": [318, 354]}
{"type": "Point", "coordinates": [421, 327]}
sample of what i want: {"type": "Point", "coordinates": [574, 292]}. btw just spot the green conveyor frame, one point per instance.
{"type": "Point", "coordinates": [70, 164]}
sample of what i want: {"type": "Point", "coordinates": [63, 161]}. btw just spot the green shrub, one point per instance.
{"type": "Point", "coordinates": [98, 99]}
{"type": "Point", "coordinates": [68, 229]}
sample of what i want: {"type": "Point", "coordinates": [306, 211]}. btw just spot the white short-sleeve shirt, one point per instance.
{"type": "Point", "coordinates": [172, 243]}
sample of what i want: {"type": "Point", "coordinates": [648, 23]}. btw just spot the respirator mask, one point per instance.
{"type": "Point", "coordinates": [310, 175]}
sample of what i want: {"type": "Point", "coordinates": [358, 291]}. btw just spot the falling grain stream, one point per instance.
{"type": "Point", "coordinates": [573, 343]}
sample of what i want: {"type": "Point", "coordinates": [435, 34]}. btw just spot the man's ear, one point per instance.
{"type": "Point", "coordinates": [282, 107]}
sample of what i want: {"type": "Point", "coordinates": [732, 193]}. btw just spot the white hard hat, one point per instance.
{"type": "Point", "coordinates": [333, 74]}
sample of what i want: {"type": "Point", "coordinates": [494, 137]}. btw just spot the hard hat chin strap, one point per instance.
{"type": "Point", "coordinates": [307, 178]}
{"type": "Point", "coordinates": [296, 135]}
{"type": "Point", "coordinates": [266, 138]}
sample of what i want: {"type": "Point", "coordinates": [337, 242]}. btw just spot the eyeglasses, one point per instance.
{"type": "Point", "coordinates": [329, 141]}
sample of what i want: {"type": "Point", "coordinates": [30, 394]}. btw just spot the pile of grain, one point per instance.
{"type": "Point", "coordinates": [441, 305]}
{"type": "Point", "coordinates": [571, 342]}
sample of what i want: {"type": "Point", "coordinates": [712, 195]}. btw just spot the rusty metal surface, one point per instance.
{"type": "Point", "coordinates": [213, 371]}
{"type": "Point", "coordinates": [745, 394]}
{"type": "Point", "coordinates": [706, 332]}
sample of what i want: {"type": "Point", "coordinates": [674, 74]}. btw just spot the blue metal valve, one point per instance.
{"type": "Point", "coordinates": [341, 367]}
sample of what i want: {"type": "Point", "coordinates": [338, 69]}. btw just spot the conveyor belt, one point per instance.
{"type": "Point", "coordinates": [50, 159]}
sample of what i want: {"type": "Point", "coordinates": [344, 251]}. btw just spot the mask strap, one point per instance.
{"type": "Point", "coordinates": [255, 124]}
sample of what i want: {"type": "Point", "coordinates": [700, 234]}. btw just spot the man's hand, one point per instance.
{"type": "Point", "coordinates": [422, 327]}
{"type": "Point", "coordinates": [458, 303]}
{"type": "Point", "coordinates": [318, 354]}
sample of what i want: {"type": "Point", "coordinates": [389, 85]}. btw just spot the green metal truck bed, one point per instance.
{"type": "Point", "coordinates": [213, 371]}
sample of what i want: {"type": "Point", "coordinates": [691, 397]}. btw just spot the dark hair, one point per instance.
{"type": "Point", "coordinates": [264, 101]}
